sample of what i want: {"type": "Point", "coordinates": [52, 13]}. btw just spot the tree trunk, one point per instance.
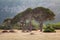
{"type": "Point", "coordinates": [23, 25]}
{"type": "Point", "coordinates": [23, 29]}
{"type": "Point", "coordinates": [30, 26]}
{"type": "Point", "coordinates": [41, 25]}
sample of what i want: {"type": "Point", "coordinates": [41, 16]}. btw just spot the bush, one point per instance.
{"type": "Point", "coordinates": [56, 26]}
{"type": "Point", "coordinates": [49, 28]}
{"type": "Point", "coordinates": [5, 27]}
{"type": "Point", "coordinates": [2, 27]}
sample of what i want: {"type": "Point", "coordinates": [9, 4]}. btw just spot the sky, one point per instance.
{"type": "Point", "coordinates": [10, 8]}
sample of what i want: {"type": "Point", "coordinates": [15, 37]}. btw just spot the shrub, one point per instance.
{"type": "Point", "coordinates": [5, 27]}
{"type": "Point", "coordinates": [2, 27]}
{"type": "Point", "coordinates": [56, 26]}
{"type": "Point", "coordinates": [49, 28]}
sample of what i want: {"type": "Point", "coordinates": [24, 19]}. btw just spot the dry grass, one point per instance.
{"type": "Point", "coordinates": [26, 36]}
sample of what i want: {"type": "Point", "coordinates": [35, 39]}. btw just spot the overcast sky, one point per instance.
{"type": "Point", "coordinates": [9, 8]}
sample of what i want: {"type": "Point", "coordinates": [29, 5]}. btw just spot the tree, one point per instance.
{"type": "Point", "coordinates": [42, 14]}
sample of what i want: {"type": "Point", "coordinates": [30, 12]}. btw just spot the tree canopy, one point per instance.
{"type": "Point", "coordinates": [37, 12]}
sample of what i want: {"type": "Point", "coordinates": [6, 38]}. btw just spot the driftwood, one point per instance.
{"type": "Point", "coordinates": [4, 31]}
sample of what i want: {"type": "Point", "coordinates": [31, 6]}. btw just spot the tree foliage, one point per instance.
{"type": "Point", "coordinates": [39, 14]}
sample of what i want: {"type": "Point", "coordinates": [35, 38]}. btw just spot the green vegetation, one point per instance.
{"type": "Point", "coordinates": [49, 28]}
{"type": "Point", "coordinates": [36, 18]}
{"type": "Point", "coordinates": [5, 27]}
{"type": "Point", "coordinates": [2, 27]}
{"type": "Point", "coordinates": [56, 25]}
{"type": "Point", "coordinates": [39, 14]}
{"type": "Point", "coordinates": [35, 25]}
